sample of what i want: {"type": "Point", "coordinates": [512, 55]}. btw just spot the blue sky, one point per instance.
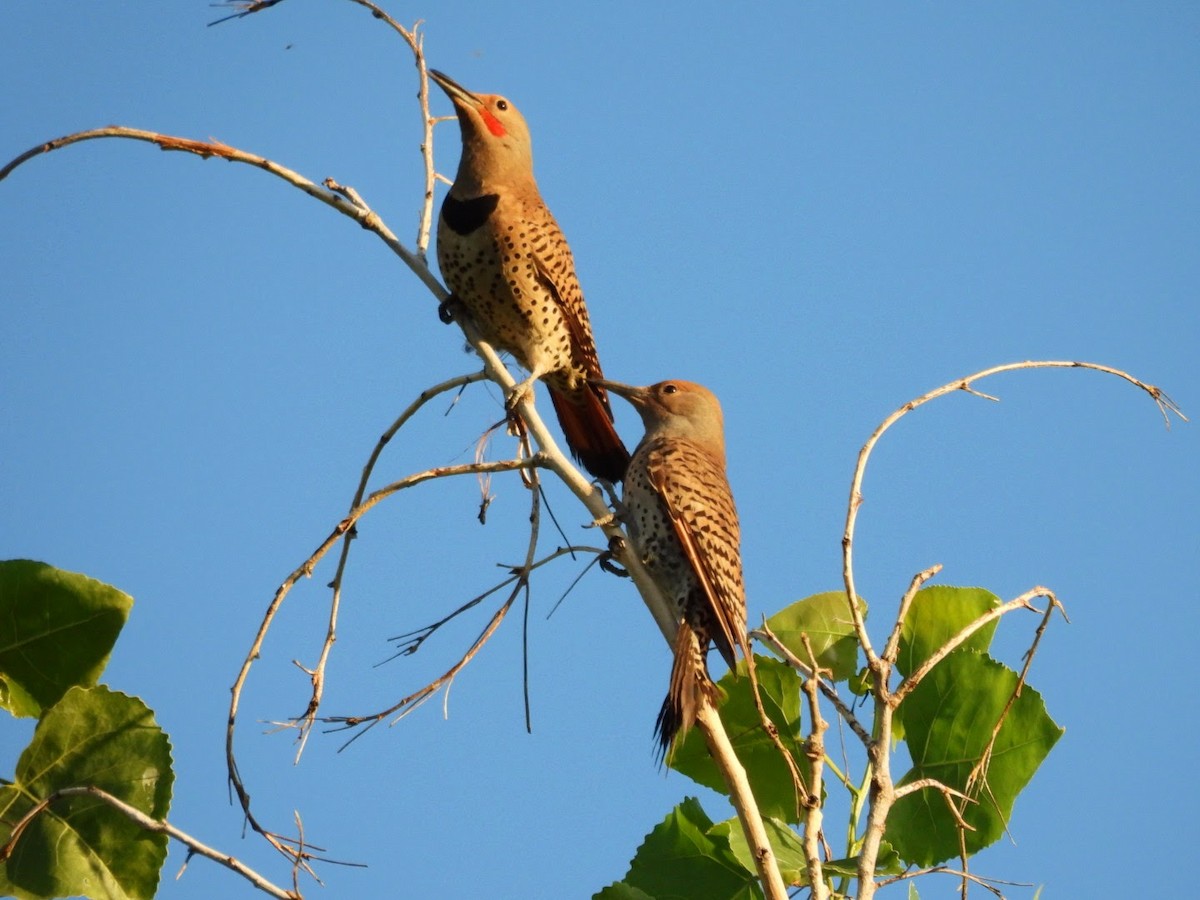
{"type": "Point", "coordinates": [820, 211]}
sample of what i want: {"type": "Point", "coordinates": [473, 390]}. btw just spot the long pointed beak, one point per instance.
{"type": "Point", "coordinates": [635, 395]}
{"type": "Point", "coordinates": [456, 92]}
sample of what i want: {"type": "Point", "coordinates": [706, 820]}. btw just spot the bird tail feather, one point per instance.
{"type": "Point", "coordinates": [690, 685]}
{"type": "Point", "coordinates": [587, 424]}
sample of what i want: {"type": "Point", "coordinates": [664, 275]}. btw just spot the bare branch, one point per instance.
{"type": "Point", "coordinates": [147, 823]}
{"type": "Point", "coordinates": [335, 199]}
{"type": "Point", "coordinates": [768, 637]}
{"type": "Point", "coordinates": [317, 673]}
{"type": "Point", "coordinates": [1022, 602]}
{"type": "Point", "coordinates": [410, 642]}
{"type": "Point", "coordinates": [892, 650]}
{"type": "Point", "coordinates": [406, 705]}
{"type": "Point", "coordinates": [1165, 404]}
{"type": "Point", "coordinates": [742, 798]}
{"type": "Point", "coordinates": [816, 757]}
{"type": "Point", "coordinates": [305, 570]}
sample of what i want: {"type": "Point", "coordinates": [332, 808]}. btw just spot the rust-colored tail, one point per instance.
{"type": "Point", "coordinates": [587, 423]}
{"type": "Point", "coordinates": [689, 683]}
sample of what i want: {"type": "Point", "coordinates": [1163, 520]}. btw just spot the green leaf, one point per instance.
{"type": "Point", "coordinates": [789, 850]}
{"type": "Point", "coordinates": [912, 891]}
{"type": "Point", "coordinates": [619, 890]}
{"type": "Point", "coordinates": [937, 614]}
{"type": "Point", "coordinates": [680, 860]}
{"type": "Point", "coordinates": [56, 631]}
{"type": "Point", "coordinates": [825, 618]}
{"type": "Point", "coordinates": [79, 845]}
{"type": "Point", "coordinates": [770, 778]}
{"type": "Point", "coordinates": [949, 720]}
{"type": "Point", "coordinates": [887, 862]}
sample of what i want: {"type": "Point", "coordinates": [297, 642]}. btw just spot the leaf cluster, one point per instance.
{"type": "Point", "coordinates": [974, 732]}
{"type": "Point", "coordinates": [56, 632]}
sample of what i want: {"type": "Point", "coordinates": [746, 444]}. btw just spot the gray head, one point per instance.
{"type": "Point", "coordinates": [677, 409]}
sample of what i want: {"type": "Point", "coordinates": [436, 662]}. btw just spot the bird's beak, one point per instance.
{"type": "Point", "coordinates": [457, 93]}
{"type": "Point", "coordinates": [635, 395]}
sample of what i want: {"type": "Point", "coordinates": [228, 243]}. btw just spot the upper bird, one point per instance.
{"type": "Point", "coordinates": [684, 527]}
{"type": "Point", "coordinates": [505, 260]}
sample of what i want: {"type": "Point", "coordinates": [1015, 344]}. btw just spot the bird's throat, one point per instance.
{"type": "Point", "coordinates": [465, 216]}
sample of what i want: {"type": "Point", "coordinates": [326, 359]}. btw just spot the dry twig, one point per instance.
{"type": "Point", "coordinates": [883, 793]}
{"type": "Point", "coordinates": [147, 823]}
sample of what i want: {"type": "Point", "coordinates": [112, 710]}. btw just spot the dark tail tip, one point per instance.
{"type": "Point", "coordinates": [666, 729]}
{"type": "Point", "coordinates": [587, 425]}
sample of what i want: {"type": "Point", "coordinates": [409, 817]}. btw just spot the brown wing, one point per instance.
{"type": "Point", "coordinates": [697, 498]}
{"type": "Point", "coordinates": [556, 273]}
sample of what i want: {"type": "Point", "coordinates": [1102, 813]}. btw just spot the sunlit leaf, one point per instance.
{"type": "Point", "coordinates": [949, 720]}
{"type": "Point", "coordinates": [826, 619]}
{"type": "Point", "coordinates": [56, 631]}
{"type": "Point", "coordinates": [786, 843]}
{"type": "Point", "coordinates": [937, 614]}
{"type": "Point", "coordinates": [80, 846]}
{"type": "Point", "coordinates": [681, 860]}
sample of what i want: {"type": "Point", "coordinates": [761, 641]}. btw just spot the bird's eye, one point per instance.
{"type": "Point", "coordinates": [670, 389]}
{"type": "Point", "coordinates": [502, 105]}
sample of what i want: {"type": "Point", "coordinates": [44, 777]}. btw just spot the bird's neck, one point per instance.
{"type": "Point", "coordinates": [480, 174]}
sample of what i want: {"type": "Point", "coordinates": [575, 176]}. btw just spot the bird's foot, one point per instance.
{"type": "Point", "coordinates": [448, 308]}
{"type": "Point", "coordinates": [520, 392]}
{"type": "Point", "coordinates": [603, 521]}
{"type": "Point", "coordinates": [607, 564]}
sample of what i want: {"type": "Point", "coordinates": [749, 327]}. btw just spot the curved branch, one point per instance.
{"type": "Point", "coordinates": [331, 194]}
{"type": "Point", "coordinates": [305, 570]}
{"type": "Point", "coordinates": [347, 202]}
{"type": "Point", "coordinates": [883, 792]}
{"type": "Point", "coordinates": [317, 673]}
{"type": "Point", "coordinates": [1165, 405]}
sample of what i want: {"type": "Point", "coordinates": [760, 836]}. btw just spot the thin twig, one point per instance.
{"type": "Point", "coordinates": [410, 642]}
{"type": "Point", "coordinates": [317, 673]}
{"type": "Point", "coordinates": [305, 570]}
{"type": "Point", "coordinates": [892, 649]}
{"type": "Point", "coordinates": [978, 773]}
{"type": "Point", "coordinates": [768, 637]}
{"type": "Point", "coordinates": [147, 823]}
{"type": "Point", "coordinates": [815, 749]}
{"type": "Point", "coordinates": [882, 794]}
{"type": "Point", "coordinates": [408, 704]}
{"type": "Point", "coordinates": [915, 677]}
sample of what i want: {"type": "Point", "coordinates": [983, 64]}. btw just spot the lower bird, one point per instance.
{"type": "Point", "coordinates": [684, 527]}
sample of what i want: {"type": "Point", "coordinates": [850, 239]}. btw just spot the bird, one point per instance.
{"type": "Point", "coordinates": [506, 262]}
{"type": "Point", "coordinates": [683, 524]}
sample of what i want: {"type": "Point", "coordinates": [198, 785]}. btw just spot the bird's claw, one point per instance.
{"type": "Point", "coordinates": [447, 308]}
{"type": "Point", "coordinates": [607, 564]}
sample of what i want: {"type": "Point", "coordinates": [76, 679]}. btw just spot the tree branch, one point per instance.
{"type": "Point", "coordinates": [742, 798]}
{"type": "Point", "coordinates": [147, 823]}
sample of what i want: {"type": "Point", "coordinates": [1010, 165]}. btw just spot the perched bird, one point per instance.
{"type": "Point", "coordinates": [505, 260]}
{"type": "Point", "coordinates": [684, 527]}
